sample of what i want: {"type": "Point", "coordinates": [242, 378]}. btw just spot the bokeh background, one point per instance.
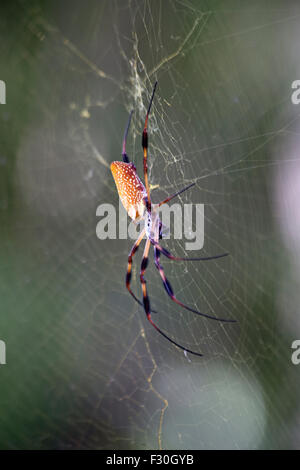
{"type": "Point", "coordinates": [84, 368]}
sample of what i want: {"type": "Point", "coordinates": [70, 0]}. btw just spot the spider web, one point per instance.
{"type": "Point", "coordinates": [85, 369]}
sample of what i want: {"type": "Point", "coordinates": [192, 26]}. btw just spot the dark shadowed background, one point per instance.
{"type": "Point", "coordinates": [84, 368]}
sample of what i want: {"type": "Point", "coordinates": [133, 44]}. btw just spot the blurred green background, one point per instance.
{"type": "Point", "coordinates": [84, 368]}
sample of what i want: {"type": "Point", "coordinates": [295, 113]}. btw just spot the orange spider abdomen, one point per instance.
{"type": "Point", "coordinates": [131, 190]}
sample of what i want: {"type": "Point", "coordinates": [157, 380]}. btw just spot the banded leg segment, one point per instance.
{"type": "Point", "coordinates": [146, 301]}
{"type": "Point", "coordinates": [129, 266]}
{"type": "Point", "coordinates": [176, 194]}
{"type": "Point", "coordinates": [144, 264]}
{"type": "Point", "coordinates": [175, 258]}
{"type": "Point", "coordinates": [145, 150]}
{"type": "Point", "coordinates": [171, 294]}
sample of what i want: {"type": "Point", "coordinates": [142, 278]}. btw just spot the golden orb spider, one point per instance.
{"type": "Point", "coordinates": [135, 197]}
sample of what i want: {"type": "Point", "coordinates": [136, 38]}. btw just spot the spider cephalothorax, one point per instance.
{"type": "Point", "coordinates": [135, 197]}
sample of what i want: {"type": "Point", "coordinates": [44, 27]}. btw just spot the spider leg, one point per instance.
{"type": "Point", "coordinates": [129, 265]}
{"type": "Point", "coordinates": [175, 258]}
{"type": "Point", "coordinates": [124, 154]}
{"type": "Point", "coordinates": [171, 294]}
{"type": "Point", "coordinates": [176, 194]}
{"type": "Point", "coordinates": [146, 301]}
{"type": "Point", "coordinates": [145, 149]}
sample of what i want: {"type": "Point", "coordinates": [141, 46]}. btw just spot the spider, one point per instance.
{"type": "Point", "coordinates": [135, 197]}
